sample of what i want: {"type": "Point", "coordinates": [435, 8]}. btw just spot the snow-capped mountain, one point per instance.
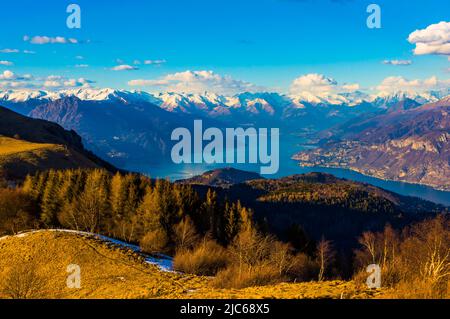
{"type": "Point", "coordinates": [84, 94]}
{"type": "Point", "coordinates": [387, 99]}
{"type": "Point", "coordinates": [134, 126]}
{"type": "Point", "coordinates": [290, 111]}
{"type": "Point", "coordinates": [213, 104]}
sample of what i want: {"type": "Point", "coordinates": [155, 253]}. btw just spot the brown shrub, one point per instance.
{"type": "Point", "coordinates": [206, 259]}
{"type": "Point", "coordinates": [23, 281]}
{"type": "Point", "coordinates": [415, 263]}
{"type": "Point", "coordinates": [154, 242]}
{"type": "Point", "coordinates": [303, 268]}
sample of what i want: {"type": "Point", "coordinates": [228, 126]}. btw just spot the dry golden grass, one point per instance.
{"type": "Point", "coordinates": [109, 271]}
{"type": "Point", "coordinates": [305, 290]}
{"type": "Point", "coordinates": [106, 271]}
{"type": "Point", "coordinates": [19, 158]}
{"type": "Point", "coordinates": [9, 146]}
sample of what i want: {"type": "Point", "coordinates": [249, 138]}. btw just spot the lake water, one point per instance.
{"type": "Point", "coordinates": [288, 146]}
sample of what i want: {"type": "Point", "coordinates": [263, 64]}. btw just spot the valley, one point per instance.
{"type": "Point", "coordinates": [226, 233]}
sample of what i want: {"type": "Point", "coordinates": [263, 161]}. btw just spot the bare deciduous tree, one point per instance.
{"type": "Point", "coordinates": [325, 256]}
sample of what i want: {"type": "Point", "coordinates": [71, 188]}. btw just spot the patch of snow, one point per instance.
{"type": "Point", "coordinates": [163, 262]}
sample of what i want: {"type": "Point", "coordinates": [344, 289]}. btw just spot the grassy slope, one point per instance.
{"type": "Point", "coordinates": [9, 146]}
{"type": "Point", "coordinates": [19, 158]}
{"type": "Point", "coordinates": [28, 145]}
{"type": "Point", "coordinates": [112, 272]}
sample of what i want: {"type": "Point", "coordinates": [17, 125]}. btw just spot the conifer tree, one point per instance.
{"type": "Point", "coordinates": [50, 204]}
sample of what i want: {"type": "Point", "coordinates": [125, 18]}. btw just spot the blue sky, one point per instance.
{"type": "Point", "coordinates": [268, 43]}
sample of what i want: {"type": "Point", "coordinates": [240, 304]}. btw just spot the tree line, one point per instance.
{"type": "Point", "coordinates": [130, 207]}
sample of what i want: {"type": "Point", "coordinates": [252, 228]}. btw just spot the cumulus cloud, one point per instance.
{"type": "Point", "coordinates": [124, 67]}
{"type": "Point", "coordinates": [397, 62]}
{"type": "Point", "coordinates": [434, 39]}
{"type": "Point", "coordinates": [320, 84]}
{"type": "Point", "coordinates": [49, 40]}
{"type": "Point", "coordinates": [60, 82]}
{"type": "Point", "coordinates": [9, 75]}
{"type": "Point", "coordinates": [6, 63]}
{"type": "Point", "coordinates": [398, 83]}
{"type": "Point", "coordinates": [10, 80]}
{"type": "Point", "coordinates": [198, 82]}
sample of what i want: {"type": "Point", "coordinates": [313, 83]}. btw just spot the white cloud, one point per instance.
{"type": "Point", "coordinates": [82, 65]}
{"type": "Point", "coordinates": [124, 67]}
{"type": "Point", "coordinates": [60, 82]}
{"type": "Point", "coordinates": [7, 75]}
{"type": "Point", "coordinates": [198, 82]}
{"type": "Point", "coordinates": [146, 62]}
{"type": "Point", "coordinates": [52, 84]}
{"type": "Point", "coordinates": [398, 62]}
{"type": "Point", "coordinates": [351, 87]}
{"type": "Point", "coordinates": [16, 51]}
{"type": "Point", "coordinates": [49, 40]}
{"type": "Point", "coordinates": [320, 84]}
{"type": "Point", "coordinates": [9, 51]}
{"type": "Point", "coordinates": [394, 84]}
{"type": "Point", "coordinates": [434, 39]}
{"type": "Point", "coordinates": [10, 80]}
{"type": "Point", "coordinates": [6, 63]}
{"type": "Point", "coordinates": [154, 62]}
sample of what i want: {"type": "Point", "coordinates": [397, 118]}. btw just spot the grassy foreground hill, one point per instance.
{"type": "Point", "coordinates": [19, 158]}
{"type": "Point", "coordinates": [28, 145]}
{"type": "Point", "coordinates": [33, 265]}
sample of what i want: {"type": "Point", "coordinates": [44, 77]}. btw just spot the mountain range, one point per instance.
{"type": "Point", "coordinates": [171, 100]}
{"type": "Point", "coordinates": [373, 134]}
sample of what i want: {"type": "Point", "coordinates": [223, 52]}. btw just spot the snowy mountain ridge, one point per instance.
{"type": "Point", "coordinates": [215, 104]}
